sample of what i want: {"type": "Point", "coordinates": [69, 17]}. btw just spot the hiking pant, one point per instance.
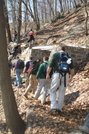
{"type": "Point", "coordinates": [31, 43]}
{"type": "Point", "coordinates": [15, 38]}
{"type": "Point", "coordinates": [27, 79]}
{"type": "Point", "coordinates": [45, 85]}
{"type": "Point", "coordinates": [87, 121]}
{"type": "Point", "coordinates": [18, 77]}
{"type": "Point", "coordinates": [57, 83]}
{"type": "Point", "coordinates": [32, 84]}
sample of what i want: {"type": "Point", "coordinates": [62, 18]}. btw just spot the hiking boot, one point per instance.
{"type": "Point", "coordinates": [84, 129]}
{"type": "Point", "coordinates": [52, 111]}
{"type": "Point", "coordinates": [45, 103]}
{"type": "Point", "coordinates": [59, 111]}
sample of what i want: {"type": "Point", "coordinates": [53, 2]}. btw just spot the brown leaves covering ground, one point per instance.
{"type": "Point", "coordinates": [75, 108]}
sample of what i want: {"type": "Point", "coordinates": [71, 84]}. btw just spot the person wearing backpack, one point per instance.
{"type": "Point", "coordinates": [15, 36]}
{"type": "Point", "coordinates": [42, 82]}
{"type": "Point", "coordinates": [19, 65]}
{"type": "Point", "coordinates": [31, 38]}
{"type": "Point", "coordinates": [26, 71]}
{"type": "Point", "coordinates": [32, 79]}
{"type": "Point", "coordinates": [63, 73]}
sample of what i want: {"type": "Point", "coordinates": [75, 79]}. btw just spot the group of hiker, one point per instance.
{"type": "Point", "coordinates": [48, 76]}
{"type": "Point", "coordinates": [30, 35]}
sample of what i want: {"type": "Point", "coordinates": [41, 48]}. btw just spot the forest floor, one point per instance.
{"type": "Point", "coordinates": [75, 109]}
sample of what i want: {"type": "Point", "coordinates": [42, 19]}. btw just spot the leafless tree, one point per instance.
{"type": "Point", "coordinates": [19, 21]}
{"type": "Point", "coordinates": [50, 6]}
{"type": "Point", "coordinates": [13, 119]}
{"type": "Point", "coordinates": [36, 17]}
{"type": "Point", "coordinates": [61, 6]}
{"type": "Point", "coordinates": [7, 22]}
{"type": "Point", "coordinates": [86, 18]}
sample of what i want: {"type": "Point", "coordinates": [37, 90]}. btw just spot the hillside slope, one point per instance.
{"type": "Point", "coordinates": [70, 29]}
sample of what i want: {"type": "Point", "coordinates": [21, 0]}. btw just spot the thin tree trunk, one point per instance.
{"type": "Point", "coordinates": [86, 18]}
{"type": "Point", "coordinates": [55, 6]}
{"type": "Point", "coordinates": [25, 21]}
{"type": "Point", "coordinates": [7, 23]}
{"type": "Point", "coordinates": [51, 9]}
{"type": "Point", "coordinates": [36, 14]}
{"type": "Point", "coordinates": [61, 6]}
{"type": "Point", "coordinates": [13, 119]}
{"type": "Point", "coordinates": [75, 3]}
{"type": "Point", "coordinates": [19, 22]}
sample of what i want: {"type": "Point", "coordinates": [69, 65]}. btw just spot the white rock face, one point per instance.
{"type": "Point", "coordinates": [26, 53]}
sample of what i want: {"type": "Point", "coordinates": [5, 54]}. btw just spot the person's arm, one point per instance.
{"type": "Point", "coordinates": [71, 75]}
{"type": "Point", "coordinates": [15, 66]}
{"type": "Point", "coordinates": [51, 66]}
{"type": "Point", "coordinates": [39, 71]}
{"type": "Point", "coordinates": [48, 72]}
{"type": "Point", "coordinates": [24, 70]}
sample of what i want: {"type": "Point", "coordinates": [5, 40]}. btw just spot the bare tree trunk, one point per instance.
{"type": "Point", "coordinates": [25, 21]}
{"type": "Point", "coordinates": [81, 1]}
{"type": "Point", "coordinates": [13, 4]}
{"type": "Point", "coordinates": [36, 14]}
{"type": "Point", "coordinates": [7, 22]}
{"type": "Point", "coordinates": [45, 9]}
{"type": "Point", "coordinates": [75, 3]}
{"type": "Point", "coordinates": [55, 6]}
{"type": "Point", "coordinates": [13, 119]}
{"type": "Point", "coordinates": [61, 6]}
{"type": "Point", "coordinates": [19, 22]}
{"type": "Point", "coordinates": [51, 9]}
{"type": "Point", "coordinates": [86, 18]}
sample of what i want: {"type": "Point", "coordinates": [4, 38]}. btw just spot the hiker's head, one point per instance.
{"type": "Point", "coordinates": [17, 57]}
{"type": "Point", "coordinates": [39, 61]}
{"type": "Point", "coordinates": [45, 58]}
{"type": "Point", "coordinates": [34, 62]}
{"type": "Point", "coordinates": [60, 48]}
{"type": "Point", "coordinates": [30, 58]}
{"type": "Point", "coordinates": [31, 30]}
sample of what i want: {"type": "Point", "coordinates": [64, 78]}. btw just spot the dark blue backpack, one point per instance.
{"type": "Point", "coordinates": [20, 64]}
{"type": "Point", "coordinates": [63, 66]}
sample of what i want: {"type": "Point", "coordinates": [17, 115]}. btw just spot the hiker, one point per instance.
{"type": "Point", "coordinates": [32, 79]}
{"type": "Point", "coordinates": [31, 38]}
{"type": "Point", "coordinates": [16, 50]}
{"type": "Point", "coordinates": [39, 61]}
{"type": "Point", "coordinates": [26, 72]}
{"type": "Point", "coordinates": [15, 36]}
{"type": "Point", "coordinates": [85, 128]}
{"type": "Point", "coordinates": [59, 80]}
{"type": "Point", "coordinates": [42, 82]}
{"type": "Point", "coordinates": [19, 65]}
{"type": "Point", "coordinates": [26, 33]}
